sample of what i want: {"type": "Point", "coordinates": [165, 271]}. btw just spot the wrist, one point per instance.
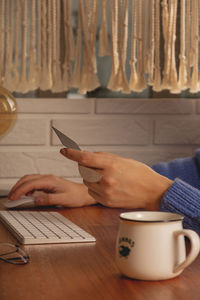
{"type": "Point", "coordinates": [160, 188]}
{"type": "Point", "coordinates": [87, 199]}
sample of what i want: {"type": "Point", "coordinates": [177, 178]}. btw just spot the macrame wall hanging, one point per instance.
{"type": "Point", "coordinates": [44, 45]}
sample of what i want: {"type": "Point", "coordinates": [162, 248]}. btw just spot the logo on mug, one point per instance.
{"type": "Point", "coordinates": [125, 248]}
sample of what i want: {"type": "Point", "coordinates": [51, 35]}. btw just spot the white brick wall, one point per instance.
{"type": "Point", "coordinates": [148, 130]}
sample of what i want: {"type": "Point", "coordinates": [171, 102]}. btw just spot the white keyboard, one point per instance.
{"type": "Point", "coordinates": [38, 227]}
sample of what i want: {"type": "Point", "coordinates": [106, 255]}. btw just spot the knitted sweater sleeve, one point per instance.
{"type": "Point", "coordinates": [183, 197]}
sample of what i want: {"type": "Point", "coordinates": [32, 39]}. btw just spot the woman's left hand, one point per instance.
{"type": "Point", "coordinates": [125, 183]}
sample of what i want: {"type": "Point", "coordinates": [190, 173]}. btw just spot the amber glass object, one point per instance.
{"type": "Point", "coordinates": [8, 111]}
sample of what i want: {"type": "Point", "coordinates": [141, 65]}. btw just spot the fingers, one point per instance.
{"type": "Point", "coordinates": [36, 183]}
{"type": "Point", "coordinates": [85, 158]}
{"type": "Point", "coordinates": [21, 181]}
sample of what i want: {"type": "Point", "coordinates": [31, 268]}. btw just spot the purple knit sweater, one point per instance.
{"type": "Point", "coordinates": [183, 197]}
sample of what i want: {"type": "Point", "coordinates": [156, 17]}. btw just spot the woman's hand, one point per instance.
{"type": "Point", "coordinates": [53, 191]}
{"type": "Point", "coordinates": [125, 183]}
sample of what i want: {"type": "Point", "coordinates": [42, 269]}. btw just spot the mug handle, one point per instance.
{"type": "Point", "coordinates": [194, 251]}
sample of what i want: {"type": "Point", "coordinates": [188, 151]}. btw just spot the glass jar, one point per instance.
{"type": "Point", "coordinates": [8, 111]}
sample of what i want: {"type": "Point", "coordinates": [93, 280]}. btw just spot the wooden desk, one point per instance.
{"type": "Point", "coordinates": [88, 271]}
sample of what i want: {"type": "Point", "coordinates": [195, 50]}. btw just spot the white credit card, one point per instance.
{"type": "Point", "coordinates": [88, 174]}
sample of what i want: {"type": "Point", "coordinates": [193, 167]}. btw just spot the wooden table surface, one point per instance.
{"type": "Point", "coordinates": [87, 271]}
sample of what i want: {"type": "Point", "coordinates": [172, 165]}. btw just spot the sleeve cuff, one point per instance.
{"type": "Point", "coordinates": [183, 199]}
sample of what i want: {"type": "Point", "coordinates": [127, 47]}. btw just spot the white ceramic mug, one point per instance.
{"type": "Point", "coordinates": [151, 245]}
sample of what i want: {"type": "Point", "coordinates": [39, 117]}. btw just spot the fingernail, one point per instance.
{"type": "Point", "coordinates": [63, 151]}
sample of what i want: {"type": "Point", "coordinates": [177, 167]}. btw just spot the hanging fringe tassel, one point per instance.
{"type": "Point", "coordinates": [44, 83]}
{"type": "Point", "coordinates": [121, 80]}
{"type": "Point", "coordinates": [157, 81]}
{"type": "Point", "coordinates": [32, 75]}
{"type": "Point", "coordinates": [188, 42]}
{"type": "Point", "coordinates": [174, 77]}
{"type": "Point", "coordinates": [89, 79]}
{"type": "Point", "coordinates": [114, 40]}
{"type": "Point", "coordinates": [182, 56]}
{"type": "Point", "coordinates": [194, 87]}
{"type": "Point", "coordinates": [40, 48]}
{"type": "Point", "coordinates": [167, 31]}
{"type": "Point", "coordinates": [76, 75]}
{"type": "Point", "coordinates": [141, 82]}
{"type": "Point", "coordinates": [57, 77]}
{"type": "Point", "coordinates": [16, 49]}
{"type": "Point", "coordinates": [49, 46]}
{"type": "Point", "coordinates": [151, 60]}
{"type": "Point", "coordinates": [104, 46]}
{"type": "Point", "coordinates": [9, 41]}
{"type": "Point", "coordinates": [38, 43]}
{"type": "Point", "coordinates": [23, 84]}
{"type": "Point", "coordinates": [69, 45]}
{"type": "Point", "coordinates": [133, 60]}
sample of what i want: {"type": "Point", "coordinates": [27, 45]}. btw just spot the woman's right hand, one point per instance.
{"type": "Point", "coordinates": [52, 190]}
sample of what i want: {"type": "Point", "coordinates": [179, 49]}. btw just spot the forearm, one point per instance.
{"type": "Point", "coordinates": [183, 199]}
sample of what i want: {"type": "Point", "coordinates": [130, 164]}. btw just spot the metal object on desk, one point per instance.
{"type": "Point", "coordinates": [13, 254]}
{"type": "Point", "coordinates": [86, 173]}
